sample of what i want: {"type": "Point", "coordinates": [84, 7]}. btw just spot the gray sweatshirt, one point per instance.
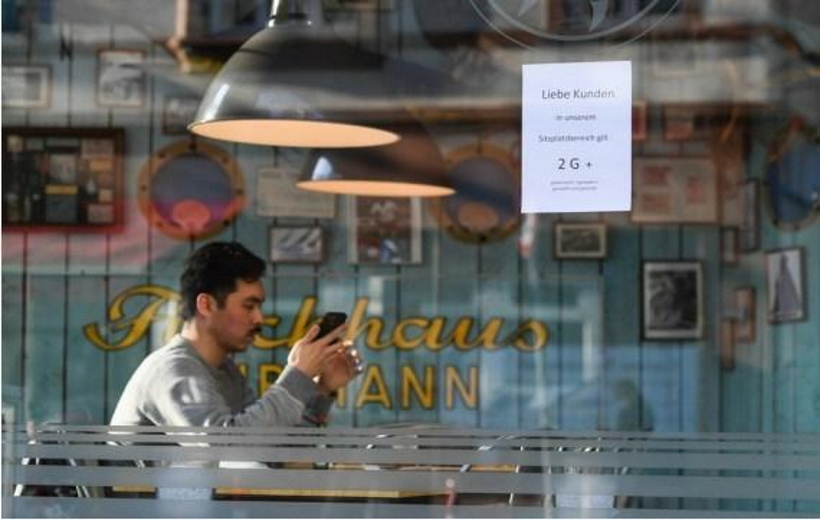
{"type": "Point", "coordinates": [174, 386]}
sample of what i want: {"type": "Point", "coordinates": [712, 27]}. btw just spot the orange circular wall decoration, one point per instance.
{"type": "Point", "coordinates": [191, 190]}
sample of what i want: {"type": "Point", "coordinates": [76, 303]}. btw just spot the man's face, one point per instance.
{"type": "Point", "coordinates": [239, 319]}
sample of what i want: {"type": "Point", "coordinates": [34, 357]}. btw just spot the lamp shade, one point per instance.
{"type": "Point", "coordinates": [294, 84]}
{"type": "Point", "coordinates": [412, 167]}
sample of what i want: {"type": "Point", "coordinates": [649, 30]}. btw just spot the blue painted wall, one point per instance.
{"type": "Point", "coordinates": [54, 284]}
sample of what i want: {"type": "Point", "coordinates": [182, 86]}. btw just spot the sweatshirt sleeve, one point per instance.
{"type": "Point", "coordinates": [186, 395]}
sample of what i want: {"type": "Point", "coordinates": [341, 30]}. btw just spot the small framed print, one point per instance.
{"type": "Point", "coordinates": [729, 249]}
{"type": "Point", "coordinates": [727, 344]}
{"type": "Point", "coordinates": [26, 86]}
{"type": "Point", "coordinates": [679, 190]}
{"type": "Point", "coordinates": [384, 230]}
{"type": "Point", "coordinates": [746, 308]}
{"type": "Point", "coordinates": [672, 300]}
{"type": "Point", "coordinates": [750, 216]}
{"type": "Point", "coordinates": [120, 78]}
{"type": "Point", "coordinates": [297, 244]}
{"type": "Point", "coordinates": [786, 285]}
{"type": "Point", "coordinates": [177, 114]}
{"type": "Point", "coordinates": [640, 121]}
{"type": "Point", "coordinates": [579, 240]}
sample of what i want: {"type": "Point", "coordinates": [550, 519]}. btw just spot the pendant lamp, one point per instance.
{"type": "Point", "coordinates": [294, 84]}
{"type": "Point", "coordinates": [412, 167]}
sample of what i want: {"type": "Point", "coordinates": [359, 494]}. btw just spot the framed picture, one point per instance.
{"type": "Point", "coordinates": [297, 244]}
{"type": "Point", "coordinates": [120, 78]}
{"type": "Point", "coordinates": [672, 300]}
{"type": "Point", "coordinates": [746, 307]}
{"type": "Point", "coordinates": [177, 113]}
{"type": "Point", "coordinates": [730, 160]}
{"type": "Point", "coordinates": [675, 190]}
{"type": "Point", "coordinates": [384, 230]}
{"type": "Point", "coordinates": [26, 86]}
{"type": "Point", "coordinates": [278, 196]}
{"type": "Point", "coordinates": [727, 344]}
{"type": "Point", "coordinates": [750, 216]}
{"type": "Point", "coordinates": [62, 179]}
{"type": "Point", "coordinates": [689, 122]}
{"type": "Point", "coordinates": [729, 250]}
{"type": "Point", "coordinates": [579, 240]}
{"type": "Point", "coordinates": [674, 59]}
{"type": "Point", "coordinates": [786, 285]}
{"type": "Point", "coordinates": [640, 121]}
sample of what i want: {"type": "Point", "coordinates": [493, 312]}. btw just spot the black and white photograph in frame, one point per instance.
{"type": "Point", "coordinates": [120, 78]}
{"type": "Point", "coordinates": [384, 230]}
{"type": "Point", "coordinates": [297, 244]}
{"type": "Point", "coordinates": [580, 240]}
{"type": "Point", "coordinates": [786, 298]}
{"type": "Point", "coordinates": [178, 113]}
{"type": "Point", "coordinates": [672, 300]}
{"type": "Point", "coordinates": [26, 86]}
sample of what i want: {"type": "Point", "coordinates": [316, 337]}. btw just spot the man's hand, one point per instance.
{"type": "Point", "coordinates": [310, 355]}
{"type": "Point", "coordinates": [339, 369]}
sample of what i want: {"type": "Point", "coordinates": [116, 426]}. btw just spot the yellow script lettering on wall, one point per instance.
{"type": "Point", "coordinates": [137, 326]}
{"type": "Point", "coordinates": [412, 333]}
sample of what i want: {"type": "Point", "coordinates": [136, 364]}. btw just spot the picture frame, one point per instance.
{"type": "Point", "coordinates": [640, 121]}
{"type": "Point", "coordinates": [296, 244]}
{"type": "Point", "coordinates": [674, 190]}
{"type": "Point", "coordinates": [384, 230]}
{"type": "Point", "coordinates": [674, 59]}
{"type": "Point", "coordinates": [62, 179]}
{"type": "Point", "coordinates": [750, 216]}
{"type": "Point", "coordinates": [177, 113]}
{"type": "Point", "coordinates": [580, 240]}
{"type": "Point", "coordinates": [672, 300]}
{"type": "Point", "coordinates": [26, 86]}
{"type": "Point", "coordinates": [746, 309]}
{"type": "Point", "coordinates": [729, 247]}
{"type": "Point", "coordinates": [278, 196]}
{"type": "Point", "coordinates": [689, 123]}
{"type": "Point", "coordinates": [786, 285]}
{"type": "Point", "coordinates": [727, 344]}
{"type": "Point", "coordinates": [121, 80]}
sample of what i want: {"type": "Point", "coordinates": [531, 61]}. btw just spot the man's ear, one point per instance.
{"type": "Point", "coordinates": [204, 304]}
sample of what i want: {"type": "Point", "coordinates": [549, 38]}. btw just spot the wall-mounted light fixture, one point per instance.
{"type": "Point", "coordinates": [275, 89]}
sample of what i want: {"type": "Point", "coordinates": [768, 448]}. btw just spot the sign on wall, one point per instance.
{"type": "Point", "coordinates": [577, 137]}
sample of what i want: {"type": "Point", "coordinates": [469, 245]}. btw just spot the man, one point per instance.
{"type": "Point", "coordinates": [193, 381]}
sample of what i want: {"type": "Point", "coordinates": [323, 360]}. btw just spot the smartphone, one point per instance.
{"type": "Point", "coordinates": [330, 321]}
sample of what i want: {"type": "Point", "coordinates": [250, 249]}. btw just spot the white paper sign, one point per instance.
{"type": "Point", "coordinates": [278, 196]}
{"type": "Point", "coordinates": [576, 137]}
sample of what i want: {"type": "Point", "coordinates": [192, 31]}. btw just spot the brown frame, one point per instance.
{"type": "Point", "coordinates": [140, 80]}
{"type": "Point", "coordinates": [662, 193]}
{"type": "Point", "coordinates": [283, 257]}
{"type": "Point", "coordinates": [78, 179]}
{"type": "Point", "coordinates": [746, 310]}
{"type": "Point", "coordinates": [43, 99]}
{"type": "Point", "coordinates": [749, 237]}
{"type": "Point", "coordinates": [640, 121]}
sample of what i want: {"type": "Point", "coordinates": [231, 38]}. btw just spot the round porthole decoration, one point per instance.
{"type": "Point", "coordinates": [792, 176]}
{"type": "Point", "coordinates": [191, 190]}
{"type": "Point", "coordinates": [486, 206]}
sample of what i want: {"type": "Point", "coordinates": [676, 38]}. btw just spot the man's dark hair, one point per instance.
{"type": "Point", "coordinates": [214, 269]}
